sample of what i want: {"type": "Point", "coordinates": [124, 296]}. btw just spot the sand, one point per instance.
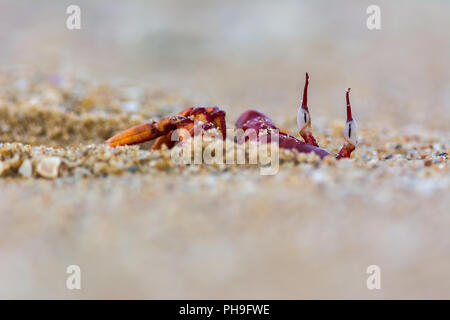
{"type": "Point", "coordinates": [141, 226]}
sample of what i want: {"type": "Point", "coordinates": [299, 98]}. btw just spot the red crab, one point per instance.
{"type": "Point", "coordinates": [213, 117]}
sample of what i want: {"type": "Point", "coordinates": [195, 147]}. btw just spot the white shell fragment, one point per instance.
{"type": "Point", "coordinates": [49, 167]}
{"type": "Point", "coordinates": [26, 169]}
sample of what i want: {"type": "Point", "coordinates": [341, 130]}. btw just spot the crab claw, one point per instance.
{"type": "Point", "coordinates": [206, 117]}
{"type": "Point", "coordinates": [134, 135]}
{"type": "Point", "coordinates": [147, 131]}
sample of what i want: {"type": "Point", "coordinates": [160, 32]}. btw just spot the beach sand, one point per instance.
{"type": "Point", "coordinates": [141, 226]}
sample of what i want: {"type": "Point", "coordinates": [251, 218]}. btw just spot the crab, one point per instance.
{"type": "Point", "coordinates": [213, 117]}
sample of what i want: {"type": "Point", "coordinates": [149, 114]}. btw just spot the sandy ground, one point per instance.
{"type": "Point", "coordinates": [158, 231]}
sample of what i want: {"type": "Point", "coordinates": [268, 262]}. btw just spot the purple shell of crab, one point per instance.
{"type": "Point", "coordinates": [252, 119]}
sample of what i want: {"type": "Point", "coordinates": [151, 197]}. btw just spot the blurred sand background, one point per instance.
{"type": "Point", "coordinates": [276, 239]}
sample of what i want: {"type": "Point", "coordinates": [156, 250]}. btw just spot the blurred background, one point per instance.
{"type": "Point", "coordinates": [242, 54]}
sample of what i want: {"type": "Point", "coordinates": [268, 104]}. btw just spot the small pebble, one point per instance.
{"type": "Point", "coordinates": [49, 167]}
{"type": "Point", "coordinates": [133, 169]}
{"type": "Point", "coordinates": [26, 169]}
{"type": "Point", "coordinates": [3, 167]}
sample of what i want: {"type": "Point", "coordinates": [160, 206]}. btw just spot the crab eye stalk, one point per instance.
{"type": "Point", "coordinates": [304, 118]}
{"type": "Point", "coordinates": [351, 128]}
{"type": "Point", "coordinates": [305, 93]}
{"type": "Point", "coordinates": [350, 132]}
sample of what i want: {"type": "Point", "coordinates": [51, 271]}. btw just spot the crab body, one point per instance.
{"type": "Point", "coordinates": [212, 117]}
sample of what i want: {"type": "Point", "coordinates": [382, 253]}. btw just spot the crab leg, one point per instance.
{"type": "Point", "coordinates": [167, 139]}
{"type": "Point", "coordinates": [210, 115]}
{"type": "Point", "coordinates": [164, 140]}
{"type": "Point", "coordinates": [218, 119]}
